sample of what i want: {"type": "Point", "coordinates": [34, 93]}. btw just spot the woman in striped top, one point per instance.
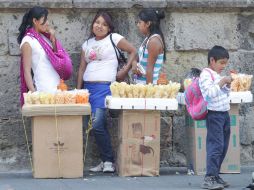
{"type": "Point", "coordinates": [152, 52]}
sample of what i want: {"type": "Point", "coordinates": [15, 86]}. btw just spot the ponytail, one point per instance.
{"type": "Point", "coordinates": [27, 21]}
{"type": "Point", "coordinates": [24, 25]}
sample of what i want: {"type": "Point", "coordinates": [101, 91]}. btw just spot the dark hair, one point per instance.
{"type": "Point", "coordinates": [108, 19]}
{"type": "Point", "coordinates": [27, 21]}
{"type": "Point", "coordinates": [154, 16]}
{"type": "Point", "coordinates": [218, 52]}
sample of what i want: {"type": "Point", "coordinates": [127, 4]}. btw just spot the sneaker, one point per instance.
{"type": "Point", "coordinates": [221, 181]}
{"type": "Point", "coordinates": [210, 182]}
{"type": "Point", "coordinates": [98, 168]}
{"type": "Point", "coordinates": [108, 167]}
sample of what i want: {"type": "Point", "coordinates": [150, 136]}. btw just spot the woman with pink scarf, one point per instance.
{"type": "Point", "coordinates": [43, 60]}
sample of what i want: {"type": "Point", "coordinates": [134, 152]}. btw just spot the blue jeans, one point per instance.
{"type": "Point", "coordinates": [102, 136]}
{"type": "Point", "coordinates": [217, 140]}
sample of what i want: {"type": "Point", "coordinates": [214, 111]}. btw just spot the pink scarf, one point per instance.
{"type": "Point", "coordinates": [60, 60]}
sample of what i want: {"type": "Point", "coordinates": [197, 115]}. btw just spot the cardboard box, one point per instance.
{"type": "Point", "coordinates": [138, 158]}
{"type": "Point", "coordinates": [139, 143]}
{"type": "Point", "coordinates": [57, 146]}
{"type": "Point", "coordinates": [196, 155]}
{"type": "Point", "coordinates": [231, 163]}
{"type": "Point", "coordinates": [138, 124]}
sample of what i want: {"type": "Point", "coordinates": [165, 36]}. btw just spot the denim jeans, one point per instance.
{"type": "Point", "coordinates": [217, 140]}
{"type": "Point", "coordinates": [102, 136]}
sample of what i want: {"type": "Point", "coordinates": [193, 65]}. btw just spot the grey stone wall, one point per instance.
{"type": "Point", "coordinates": [191, 28]}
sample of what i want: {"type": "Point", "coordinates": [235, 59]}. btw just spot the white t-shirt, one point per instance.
{"type": "Point", "coordinates": [45, 77]}
{"type": "Point", "coordinates": [101, 59]}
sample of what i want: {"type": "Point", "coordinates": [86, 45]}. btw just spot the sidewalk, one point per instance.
{"type": "Point", "coordinates": [169, 179]}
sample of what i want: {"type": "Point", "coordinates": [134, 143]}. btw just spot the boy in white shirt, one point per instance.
{"type": "Point", "coordinates": [216, 93]}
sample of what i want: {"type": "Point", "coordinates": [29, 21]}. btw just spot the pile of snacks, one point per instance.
{"type": "Point", "coordinates": [60, 97]}
{"type": "Point", "coordinates": [124, 90]}
{"type": "Point", "coordinates": [241, 82]}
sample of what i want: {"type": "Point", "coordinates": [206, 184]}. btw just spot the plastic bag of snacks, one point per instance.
{"type": "Point", "coordinates": [59, 97]}
{"type": "Point", "coordinates": [82, 96]}
{"type": "Point", "coordinates": [46, 98]}
{"type": "Point", "coordinates": [241, 82]}
{"type": "Point", "coordinates": [69, 97]}
{"type": "Point", "coordinates": [193, 73]}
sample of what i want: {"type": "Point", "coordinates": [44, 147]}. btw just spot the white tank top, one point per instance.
{"type": "Point", "coordinates": [45, 77]}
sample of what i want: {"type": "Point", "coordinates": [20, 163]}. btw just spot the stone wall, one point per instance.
{"type": "Point", "coordinates": [191, 28]}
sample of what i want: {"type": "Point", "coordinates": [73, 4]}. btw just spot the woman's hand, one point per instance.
{"type": "Point", "coordinates": [52, 37]}
{"type": "Point", "coordinates": [134, 68]}
{"type": "Point", "coordinates": [52, 33]}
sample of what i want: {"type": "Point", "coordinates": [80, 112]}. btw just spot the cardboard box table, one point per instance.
{"type": "Point", "coordinates": [57, 139]}
{"type": "Point", "coordinates": [196, 133]}
{"type": "Point", "coordinates": [139, 134]}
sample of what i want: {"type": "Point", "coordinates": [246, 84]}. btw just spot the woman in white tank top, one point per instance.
{"type": "Point", "coordinates": [152, 52]}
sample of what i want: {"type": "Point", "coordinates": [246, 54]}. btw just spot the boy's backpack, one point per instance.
{"type": "Point", "coordinates": [195, 103]}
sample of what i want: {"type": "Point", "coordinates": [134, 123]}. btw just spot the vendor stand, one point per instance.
{"type": "Point", "coordinates": [57, 140]}
{"type": "Point", "coordinates": [139, 132]}
{"type": "Point", "coordinates": [196, 141]}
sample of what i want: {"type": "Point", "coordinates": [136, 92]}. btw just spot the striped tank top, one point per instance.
{"type": "Point", "coordinates": [143, 56]}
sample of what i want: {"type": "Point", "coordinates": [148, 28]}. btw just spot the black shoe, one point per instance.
{"type": "Point", "coordinates": [221, 181]}
{"type": "Point", "coordinates": [210, 182]}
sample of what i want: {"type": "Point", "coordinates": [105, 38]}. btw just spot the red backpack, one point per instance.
{"type": "Point", "coordinates": [195, 103]}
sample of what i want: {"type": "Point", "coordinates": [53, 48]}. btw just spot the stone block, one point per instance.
{"type": "Point", "coordinates": [118, 4]}
{"type": "Point", "coordinates": [13, 44]}
{"type": "Point", "coordinates": [178, 63]}
{"type": "Point", "coordinates": [166, 143]}
{"type": "Point", "coordinates": [210, 4]}
{"type": "Point", "coordinates": [3, 40]}
{"type": "Point", "coordinates": [179, 134]}
{"type": "Point", "coordinates": [29, 4]}
{"type": "Point", "coordinates": [9, 86]}
{"type": "Point", "coordinates": [201, 31]}
{"type": "Point", "coordinates": [246, 29]}
{"type": "Point", "coordinates": [246, 155]}
{"type": "Point", "coordinates": [246, 127]}
{"type": "Point", "coordinates": [14, 155]}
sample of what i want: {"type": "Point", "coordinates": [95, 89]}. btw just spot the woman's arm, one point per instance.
{"type": "Point", "coordinates": [81, 70]}
{"type": "Point", "coordinates": [154, 49]}
{"type": "Point", "coordinates": [124, 45]}
{"type": "Point", "coordinates": [26, 52]}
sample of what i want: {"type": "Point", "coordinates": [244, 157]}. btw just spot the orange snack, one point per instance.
{"type": "Point", "coordinates": [62, 86]}
{"type": "Point", "coordinates": [82, 97]}
{"type": "Point", "coordinates": [162, 79]}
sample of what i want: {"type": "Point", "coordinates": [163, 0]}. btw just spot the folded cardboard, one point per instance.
{"type": "Point", "coordinates": [196, 155]}
{"type": "Point", "coordinates": [57, 146]}
{"type": "Point", "coordinates": [138, 158]}
{"type": "Point", "coordinates": [139, 143]}
{"type": "Point", "coordinates": [135, 124]}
